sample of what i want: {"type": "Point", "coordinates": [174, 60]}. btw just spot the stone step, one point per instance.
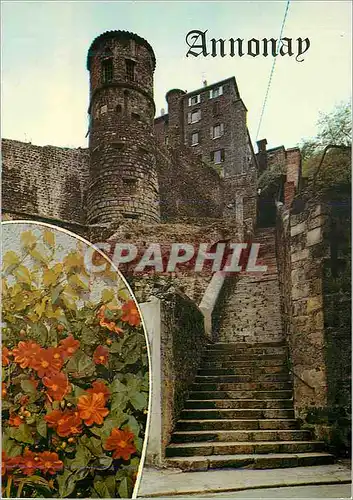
{"type": "Point", "coordinates": [250, 351]}
{"type": "Point", "coordinates": [269, 461]}
{"type": "Point", "coordinates": [241, 435]}
{"type": "Point", "coordinates": [242, 386]}
{"type": "Point", "coordinates": [252, 363]}
{"type": "Point", "coordinates": [230, 448]}
{"type": "Point", "coordinates": [214, 356]}
{"type": "Point", "coordinates": [236, 413]}
{"type": "Point", "coordinates": [239, 403]}
{"type": "Point", "coordinates": [233, 424]}
{"type": "Point", "coordinates": [238, 345]}
{"type": "Point", "coordinates": [202, 395]}
{"type": "Point", "coordinates": [247, 371]}
{"type": "Point", "coordinates": [225, 378]}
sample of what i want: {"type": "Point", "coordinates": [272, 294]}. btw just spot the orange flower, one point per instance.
{"type": "Point", "coordinates": [121, 443]}
{"type": "Point", "coordinates": [100, 355]}
{"type": "Point", "coordinates": [58, 385]}
{"type": "Point", "coordinates": [99, 388]}
{"type": "Point", "coordinates": [3, 390]}
{"type": "Point", "coordinates": [15, 421]}
{"type": "Point", "coordinates": [48, 362]}
{"type": "Point", "coordinates": [112, 327]}
{"type": "Point", "coordinates": [29, 462]}
{"type": "Point", "coordinates": [66, 423]}
{"type": "Point", "coordinates": [9, 464]}
{"type": "Point", "coordinates": [24, 400]}
{"type": "Point", "coordinates": [92, 408]}
{"type": "Point", "coordinates": [68, 346]}
{"type": "Point", "coordinates": [25, 353]}
{"type": "Point", "coordinates": [70, 424]}
{"type": "Point", "coordinates": [106, 323]}
{"type": "Point", "coordinates": [53, 418]}
{"type": "Point", "coordinates": [49, 462]}
{"type": "Point", "coordinates": [130, 313]}
{"type": "Point", "coordinates": [5, 353]}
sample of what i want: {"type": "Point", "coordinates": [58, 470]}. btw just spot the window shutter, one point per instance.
{"type": "Point", "coordinates": [189, 101]}
{"type": "Point", "coordinates": [222, 155]}
{"type": "Point", "coordinates": [212, 155]}
{"type": "Point", "coordinates": [189, 117]}
{"type": "Point", "coordinates": [198, 99]}
{"type": "Point", "coordinates": [199, 115]}
{"type": "Point", "coordinates": [220, 91]}
{"type": "Point", "coordinates": [222, 128]}
{"type": "Point", "coordinates": [211, 94]}
{"type": "Point", "coordinates": [211, 132]}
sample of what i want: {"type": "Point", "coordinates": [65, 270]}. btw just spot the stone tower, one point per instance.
{"type": "Point", "coordinates": [123, 176]}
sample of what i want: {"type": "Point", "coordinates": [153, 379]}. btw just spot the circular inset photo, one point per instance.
{"type": "Point", "coordinates": [75, 370]}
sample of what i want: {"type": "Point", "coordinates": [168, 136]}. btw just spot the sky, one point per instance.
{"type": "Point", "coordinates": [45, 80]}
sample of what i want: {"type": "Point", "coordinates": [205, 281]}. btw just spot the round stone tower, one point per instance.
{"type": "Point", "coordinates": [123, 175]}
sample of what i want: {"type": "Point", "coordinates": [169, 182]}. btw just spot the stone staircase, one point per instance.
{"type": "Point", "coordinates": [240, 410]}
{"type": "Point", "coordinates": [240, 414]}
{"type": "Point", "coordinates": [252, 313]}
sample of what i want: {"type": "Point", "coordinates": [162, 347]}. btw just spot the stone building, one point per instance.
{"type": "Point", "coordinates": [235, 360]}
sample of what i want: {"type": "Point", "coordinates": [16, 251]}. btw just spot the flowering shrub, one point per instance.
{"type": "Point", "coordinates": [74, 377]}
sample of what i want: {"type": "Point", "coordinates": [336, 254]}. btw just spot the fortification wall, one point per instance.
{"type": "Point", "coordinates": [48, 181]}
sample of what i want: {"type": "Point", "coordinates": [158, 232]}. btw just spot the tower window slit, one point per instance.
{"type": "Point", "coordinates": [107, 70]}
{"type": "Point", "coordinates": [130, 69]}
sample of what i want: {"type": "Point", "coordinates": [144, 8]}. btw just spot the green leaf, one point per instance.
{"type": "Point", "coordinates": [49, 238]}
{"type": "Point", "coordinates": [119, 401]}
{"type": "Point", "coordinates": [11, 447]}
{"type": "Point", "coordinates": [139, 400]}
{"type": "Point", "coordinates": [39, 333]}
{"type": "Point", "coordinates": [42, 427]}
{"type": "Point", "coordinates": [22, 434]}
{"type": "Point", "coordinates": [105, 487]}
{"type": "Point", "coordinates": [117, 386]}
{"type": "Point", "coordinates": [28, 387]}
{"type": "Point", "coordinates": [23, 275]}
{"type": "Point", "coordinates": [81, 364]}
{"type": "Point", "coordinates": [94, 445]}
{"type": "Point", "coordinates": [28, 239]}
{"type": "Point", "coordinates": [88, 336]}
{"type": "Point", "coordinates": [115, 348]}
{"type": "Point", "coordinates": [133, 425]}
{"type": "Point", "coordinates": [125, 488]}
{"type": "Point", "coordinates": [82, 458]}
{"type": "Point", "coordinates": [102, 463]}
{"type": "Point", "coordinates": [107, 295]}
{"type": "Point", "coordinates": [10, 259]}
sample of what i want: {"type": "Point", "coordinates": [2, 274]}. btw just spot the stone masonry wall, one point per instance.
{"type": "Point", "coordinates": [307, 341]}
{"type": "Point", "coordinates": [182, 344]}
{"type": "Point", "coordinates": [47, 181]}
{"type": "Point", "coordinates": [194, 232]}
{"type": "Point", "coordinates": [187, 186]}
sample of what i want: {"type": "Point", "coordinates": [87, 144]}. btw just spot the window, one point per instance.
{"type": "Point", "coordinates": [119, 108]}
{"type": "Point", "coordinates": [107, 70]}
{"type": "Point", "coordinates": [216, 109]}
{"type": "Point", "coordinates": [195, 99]}
{"type": "Point", "coordinates": [194, 116]}
{"type": "Point", "coordinates": [216, 92]}
{"type": "Point", "coordinates": [130, 69]}
{"type": "Point", "coordinates": [194, 138]}
{"type": "Point", "coordinates": [136, 116]}
{"type": "Point", "coordinates": [130, 186]}
{"type": "Point", "coordinates": [166, 140]}
{"type": "Point", "coordinates": [218, 156]}
{"type": "Point", "coordinates": [217, 131]}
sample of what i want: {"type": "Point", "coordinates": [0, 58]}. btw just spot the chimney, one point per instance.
{"type": "Point", "coordinates": [262, 155]}
{"type": "Point", "coordinates": [162, 111]}
{"type": "Point", "coordinates": [205, 83]}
